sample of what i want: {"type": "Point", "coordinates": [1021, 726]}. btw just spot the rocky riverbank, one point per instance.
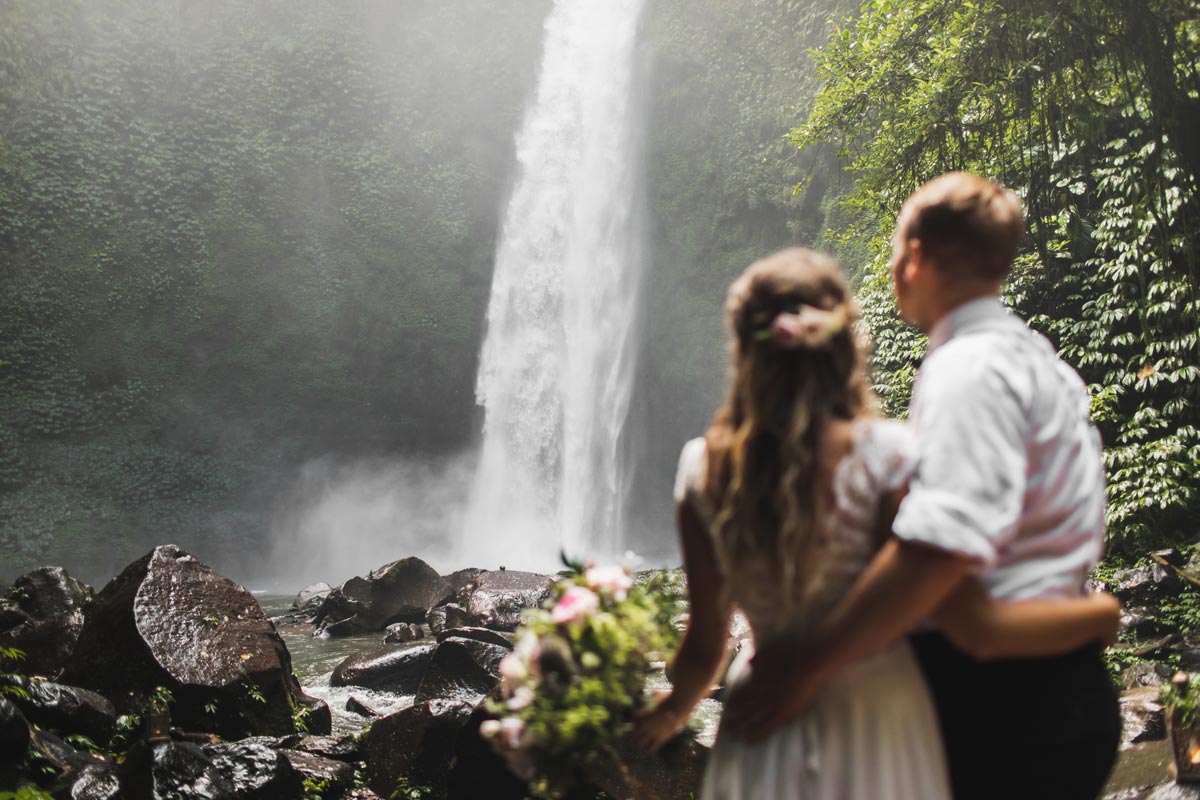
{"type": "Point", "coordinates": [172, 681]}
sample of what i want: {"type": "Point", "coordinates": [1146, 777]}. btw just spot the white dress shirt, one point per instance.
{"type": "Point", "coordinates": [1009, 470]}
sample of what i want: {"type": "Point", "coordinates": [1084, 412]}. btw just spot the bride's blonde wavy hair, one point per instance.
{"type": "Point", "coordinates": [764, 480]}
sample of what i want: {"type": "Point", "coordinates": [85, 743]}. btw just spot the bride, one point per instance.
{"type": "Point", "coordinates": [781, 505]}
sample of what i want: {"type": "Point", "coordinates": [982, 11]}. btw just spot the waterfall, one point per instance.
{"type": "Point", "coordinates": [557, 364]}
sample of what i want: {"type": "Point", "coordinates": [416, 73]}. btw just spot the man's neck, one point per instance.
{"type": "Point", "coordinates": [945, 302]}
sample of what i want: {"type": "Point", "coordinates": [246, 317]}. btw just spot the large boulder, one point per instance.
{"type": "Point", "coordinates": [496, 599]}
{"type": "Point", "coordinates": [392, 668]}
{"type": "Point", "coordinates": [674, 773]}
{"type": "Point", "coordinates": [255, 771]}
{"type": "Point", "coordinates": [336, 777]}
{"type": "Point", "coordinates": [1145, 585]}
{"type": "Point", "coordinates": [1142, 716]}
{"type": "Point", "coordinates": [169, 622]}
{"type": "Point", "coordinates": [66, 709]}
{"type": "Point", "coordinates": [413, 747]}
{"type": "Point", "coordinates": [462, 671]}
{"type": "Point", "coordinates": [14, 740]}
{"type": "Point", "coordinates": [448, 616]}
{"type": "Point", "coordinates": [402, 591]}
{"type": "Point", "coordinates": [42, 615]}
{"type": "Point", "coordinates": [172, 771]}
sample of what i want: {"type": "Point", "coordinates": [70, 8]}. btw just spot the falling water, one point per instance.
{"type": "Point", "coordinates": [557, 364]}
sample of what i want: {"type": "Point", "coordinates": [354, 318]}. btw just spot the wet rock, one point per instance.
{"type": "Point", "coordinates": [415, 746]}
{"type": "Point", "coordinates": [478, 770]}
{"type": "Point", "coordinates": [402, 632]}
{"type": "Point", "coordinates": [1146, 673]}
{"type": "Point", "coordinates": [172, 771]}
{"type": "Point", "coordinates": [402, 591]}
{"type": "Point", "coordinates": [94, 782]}
{"type": "Point", "coordinates": [357, 705]}
{"type": "Point", "coordinates": [14, 734]}
{"type": "Point", "coordinates": [1145, 585]}
{"type": "Point", "coordinates": [462, 671]}
{"type": "Point", "coordinates": [457, 581]}
{"type": "Point", "coordinates": [393, 668]}
{"type": "Point", "coordinates": [672, 774]}
{"type": "Point", "coordinates": [67, 709]}
{"type": "Point", "coordinates": [341, 748]}
{"type": "Point", "coordinates": [169, 621]}
{"type": "Point", "coordinates": [255, 771]}
{"type": "Point", "coordinates": [43, 615]}
{"type": "Point", "coordinates": [480, 635]}
{"type": "Point", "coordinates": [448, 616]}
{"type": "Point", "coordinates": [1142, 717]}
{"type": "Point", "coordinates": [340, 615]}
{"type": "Point", "coordinates": [335, 776]}
{"type": "Point", "coordinates": [497, 599]}
{"type": "Point", "coordinates": [311, 594]}
{"type": "Point", "coordinates": [1143, 622]}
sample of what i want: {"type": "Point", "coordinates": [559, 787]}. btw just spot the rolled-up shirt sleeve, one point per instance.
{"type": "Point", "coordinates": [968, 487]}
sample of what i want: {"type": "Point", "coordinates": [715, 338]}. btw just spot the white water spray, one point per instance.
{"type": "Point", "coordinates": [557, 366]}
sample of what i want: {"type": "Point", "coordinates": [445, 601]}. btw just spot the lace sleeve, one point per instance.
{"type": "Point", "coordinates": [689, 478]}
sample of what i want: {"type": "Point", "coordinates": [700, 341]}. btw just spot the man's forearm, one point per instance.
{"type": "Point", "coordinates": [901, 587]}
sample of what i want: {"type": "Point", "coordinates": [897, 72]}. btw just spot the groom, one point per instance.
{"type": "Point", "coordinates": [1009, 487]}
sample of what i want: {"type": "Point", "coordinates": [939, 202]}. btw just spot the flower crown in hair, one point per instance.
{"type": "Point", "coordinates": [809, 327]}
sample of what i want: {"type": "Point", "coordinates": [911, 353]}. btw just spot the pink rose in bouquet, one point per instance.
{"type": "Point", "coordinates": [576, 603]}
{"type": "Point", "coordinates": [612, 579]}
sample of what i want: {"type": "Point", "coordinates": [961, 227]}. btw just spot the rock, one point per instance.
{"type": "Point", "coordinates": [95, 782]}
{"type": "Point", "coordinates": [1142, 716]}
{"type": "Point", "coordinates": [311, 594]}
{"type": "Point", "coordinates": [341, 748]}
{"type": "Point", "coordinates": [402, 591]}
{"type": "Point", "coordinates": [172, 771]}
{"type": "Point", "coordinates": [413, 747]}
{"type": "Point", "coordinates": [1145, 585]}
{"type": "Point", "coordinates": [497, 599]}
{"type": "Point", "coordinates": [393, 668]}
{"type": "Point", "coordinates": [1175, 791]}
{"type": "Point", "coordinates": [457, 581]}
{"type": "Point", "coordinates": [478, 634]}
{"type": "Point", "coordinates": [359, 706]}
{"type": "Point", "coordinates": [1145, 673]}
{"type": "Point", "coordinates": [14, 734]}
{"type": "Point", "coordinates": [478, 770]}
{"type": "Point", "coordinates": [335, 776]}
{"type": "Point", "coordinates": [340, 615]}
{"type": "Point", "coordinates": [255, 771]}
{"type": "Point", "coordinates": [448, 616]}
{"type": "Point", "coordinates": [402, 632]}
{"type": "Point", "coordinates": [67, 709]}
{"type": "Point", "coordinates": [1144, 622]}
{"type": "Point", "coordinates": [43, 617]}
{"type": "Point", "coordinates": [674, 773]}
{"type": "Point", "coordinates": [462, 671]}
{"type": "Point", "coordinates": [169, 621]}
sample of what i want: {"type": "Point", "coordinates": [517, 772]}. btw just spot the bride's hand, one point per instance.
{"type": "Point", "coordinates": [655, 725]}
{"type": "Point", "coordinates": [780, 687]}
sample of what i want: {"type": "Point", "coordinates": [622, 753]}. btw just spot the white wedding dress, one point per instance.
{"type": "Point", "coordinates": [872, 734]}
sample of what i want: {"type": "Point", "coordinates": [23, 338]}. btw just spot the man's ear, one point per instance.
{"type": "Point", "coordinates": [917, 264]}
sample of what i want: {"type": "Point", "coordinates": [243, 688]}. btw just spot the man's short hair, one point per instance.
{"type": "Point", "coordinates": [968, 226]}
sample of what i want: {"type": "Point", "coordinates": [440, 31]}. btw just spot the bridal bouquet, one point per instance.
{"type": "Point", "coordinates": [578, 672]}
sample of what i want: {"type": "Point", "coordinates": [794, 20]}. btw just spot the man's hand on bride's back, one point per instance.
{"type": "Point", "coordinates": [777, 687]}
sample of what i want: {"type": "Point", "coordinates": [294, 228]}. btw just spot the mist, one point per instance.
{"type": "Point", "coordinates": [248, 253]}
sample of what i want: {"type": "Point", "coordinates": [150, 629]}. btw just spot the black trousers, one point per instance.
{"type": "Point", "coordinates": [1023, 728]}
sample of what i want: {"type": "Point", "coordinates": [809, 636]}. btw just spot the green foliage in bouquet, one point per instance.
{"type": "Point", "coordinates": [1181, 697]}
{"type": "Point", "coordinates": [579, 671]}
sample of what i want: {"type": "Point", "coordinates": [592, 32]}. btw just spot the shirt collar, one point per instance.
{"type": "Point", "coordinates": [972, 314]}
